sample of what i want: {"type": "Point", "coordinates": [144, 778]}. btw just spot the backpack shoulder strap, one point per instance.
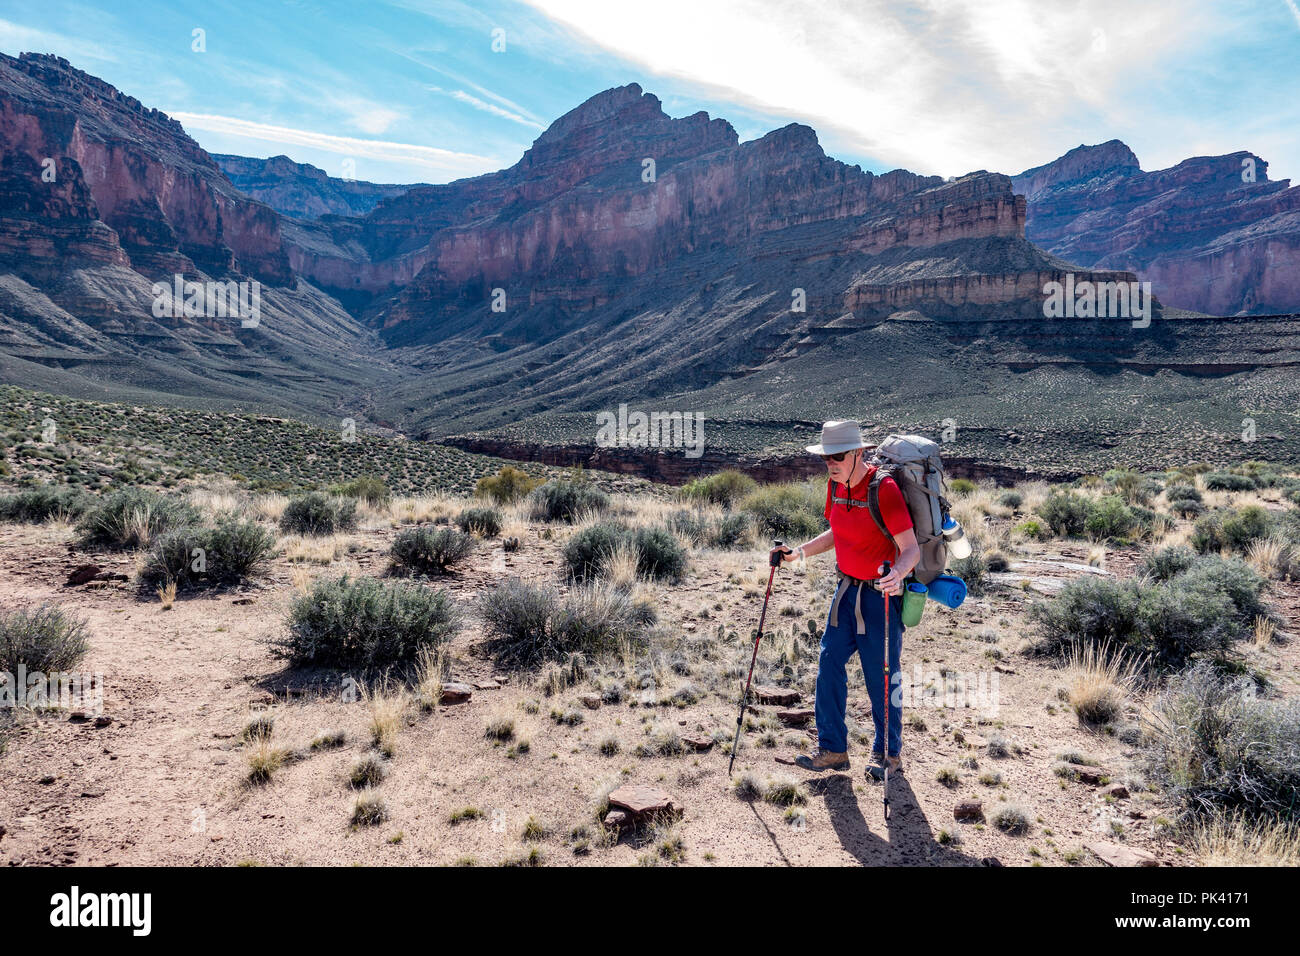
{"type": "Point", "coordinates": [873, 499]}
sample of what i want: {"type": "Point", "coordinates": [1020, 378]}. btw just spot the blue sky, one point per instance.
{"type": "Point", "coordinates": [413, 91]}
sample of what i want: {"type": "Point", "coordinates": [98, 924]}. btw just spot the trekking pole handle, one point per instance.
{"type": "Point", "coordinates": [774, 560]}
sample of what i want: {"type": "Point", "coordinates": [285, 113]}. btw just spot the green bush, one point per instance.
{"type": "Point", "coordinates": [565, 500]}
{"type": "Point", "coordinates": [318, 514]}
{"type": "Point", "coordinates": [788, 511]}
{"type": "Point", "coordinates": [506, 486]}
{"type": "Point", "coordinates": [974, 570]}
{"type": "Point", "coordinates": [483, 521]}
{"type": "Point", "coordinates": [39, 504]}
{"type": "Point", "coordinates": [1166, 563]}
{"type": "Point", "coordinates": [693, 525]}
{"type": "Point", "coordinates": [724, 488]}
{"type": "Point", "coordinates": [228, 553]}
{"type": "Point", "coordinates": [1201, 609]}
{"type": "Point", "coordinates": [1011, 499]}
{"type": "Point", "coordinates": [371, 490]}
{"type": "Point", "coordinates": [131, 517]}
{"type": "Point", "coordinates": [1186, 507]}
{"type": "Point", "coordinates": [1066, 513]}
{"type": "Point", "coordinates": [960, 487]}
{"type": "Point", "coordinates": [426, 550]}
{"type": "Point", "coordinates": [365, 623]}
{"type": "Point", "coordinates": [1242, 528]}
{"type": "Point", "coordinates": [658, 553]}
{"type": "Point", "coordinates": [1226, 481]}
{"type": "Point", "coordinates": [733, 532]}
{"type": "Point", "coordinates": [659, 556]}
{"type": "Point", "coordinates": [529, 624]}
{"type": "Point", "coordinates": [1033, 529]}
{"type": "Point", "coordinates": [1109, 519]}
{"type": "Point", "coordinates": [1214, 747]}
{"type": "Point", "coordinates": [45, 639]}
{"type": "Point", "coordinates": [1207, 534]}
{"type": "Point", "coordinates": [1183, 492]}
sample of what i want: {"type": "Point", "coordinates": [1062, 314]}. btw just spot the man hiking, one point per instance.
{"type": "Point", "coordinates": [856, 621]}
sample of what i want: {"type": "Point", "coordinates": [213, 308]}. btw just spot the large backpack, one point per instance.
{"type": "Point", "coordinates": [914, 464]}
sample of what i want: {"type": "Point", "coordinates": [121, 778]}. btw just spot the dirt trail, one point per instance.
{"type": "Point", "coordinates": [165, 781]}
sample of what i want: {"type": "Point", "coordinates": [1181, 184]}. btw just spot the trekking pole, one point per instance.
{"type": "Point", "coordinates": [775, 562]}
{"type": "Point", "coordinates": [884, 570]}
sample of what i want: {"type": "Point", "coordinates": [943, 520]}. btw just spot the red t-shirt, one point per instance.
{"type": "Point", "coordinates": [860, 548]}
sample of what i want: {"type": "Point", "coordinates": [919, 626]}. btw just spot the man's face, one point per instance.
{"type": "Point", "coordinates": [851, 465]}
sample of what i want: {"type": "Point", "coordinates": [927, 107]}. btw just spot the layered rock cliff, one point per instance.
{"type": "Point", "coordinates": [302, 190]}
{"type": "Point", "coordinates": [109, 158]}
{"type": "Point", "coordinates": [1213, 234]}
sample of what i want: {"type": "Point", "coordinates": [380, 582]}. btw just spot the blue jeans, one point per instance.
{"type": "Point", "coordinates": [839, 641]}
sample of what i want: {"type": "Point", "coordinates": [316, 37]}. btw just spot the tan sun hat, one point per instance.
{"type": "Point", "coordinates": [838, 437]}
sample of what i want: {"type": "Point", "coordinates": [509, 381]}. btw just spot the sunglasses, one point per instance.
{"type": "Point", "coordinates": [837, 457]}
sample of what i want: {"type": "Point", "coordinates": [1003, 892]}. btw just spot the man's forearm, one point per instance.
{"type": "Point", "coordinates": [823, 542]}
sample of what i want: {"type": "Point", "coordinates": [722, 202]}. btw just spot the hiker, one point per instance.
{"type": "Point", "coordinates": [856, 621]}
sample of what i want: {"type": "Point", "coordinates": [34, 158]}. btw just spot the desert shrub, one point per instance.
{"type": "Point", "coordinates": [365, 623]}
{"type": "Point", "coordinates": [506, 486]}
{"type": "Point", "coordinates": [974, 570]}
{"type": "Point", "coordinates": [960, 487]}
{"type": "Point", "coordinates": [1186, 507]}
{"type": "Point", "coordinates": [428, 550]}
{"type": "Point", "coordinates": [1234, 577]}
{"type": "Point", "coordinates": [565, 500]}
{"type": "Point", "coordinates": [41, 503]}
{"type": "Point", "coordinates": [369, 489]}
{"type": "Point", "coordinates": [1178, 491]}
{"type": "Point", "coordinates": [45, 639]}
{"type": "Point", "coordinates": [733, 531]}
{"type": "Point", "coordinates": [1244, 527]}
{"type": "Point", "coordinates": [484, 521]}
{"type": "Point", "coordinates": [1109, 518]}
{"type": "Point", "coordinates": [693, 525]}
{"type": "Point", "coordinates": [1066, 512]}
{"type": "Point", "coordinates": [658, 553]}
{"type": "Point", "coordinates": [1207, 534]}
{"type": "Point", "coordinates": [528, 625]}
{"type": "Point", "coordinates": [316, 514]}
{"type": "Point", "coordinates": [1134, 488]}
{"type": "Point", "coordinates": [1227, 481]}
{"type": "Point", "coordinates": [226, 554]}
{"type": "Point", "coordinates": [1011, 499]}
{"type": "Point", "coordinates": [724, 488]}
{"type": "Point", "coordinates": [131, 517]}
{"type": "Point", "coordinates": [1213, 745]}
{"type": "Point", "coordinates": [787, 511]}
{"type": "Point", "coordinates": [1165, 563]}
{"type": "Point", "coordinates": [587, 553]}
{"type": "Point", "coordinates": [1033, 529]}
{"type": "Point", "coordinates": [1201, 609]}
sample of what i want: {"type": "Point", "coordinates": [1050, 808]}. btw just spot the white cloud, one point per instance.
{"type": "Point", "coordinates": [937, 86]}
{"type": "Point", "coordinates": [1295, 11]}
{"type": "Point", "coordinates": [478, 104]}
{"type": "Point", "coordinates": [16, 39]}
{"type": "Point", "coordinates": [441, 161]}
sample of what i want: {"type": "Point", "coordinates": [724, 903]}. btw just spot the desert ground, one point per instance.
{"type": "Point", "coordinates": [163, 775]}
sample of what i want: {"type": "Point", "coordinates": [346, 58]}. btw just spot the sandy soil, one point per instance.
{"type": "Point", "coordinates": [166, 781]}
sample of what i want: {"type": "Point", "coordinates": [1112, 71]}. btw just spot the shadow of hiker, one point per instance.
{"type": "Point", "coordinates": [906, 841]}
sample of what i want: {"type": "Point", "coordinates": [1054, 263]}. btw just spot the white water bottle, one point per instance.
{"type": "Point", "coordinates": [955, 538]}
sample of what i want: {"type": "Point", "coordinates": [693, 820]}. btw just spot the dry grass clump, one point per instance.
{"type": "Point", "coordinates": [1100, 679]}
{"type": "Point", "coordinates": [1235, 841]}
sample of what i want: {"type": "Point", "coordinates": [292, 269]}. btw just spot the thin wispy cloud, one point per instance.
{"type": "Point", "coordinates": [1295, 11]}
{"type": "Point", "coordinates": [478, 104]}
{"type": "Point", "coordinates": [16, 38]}
{"type": "Point", "coordinates": [442, 161]}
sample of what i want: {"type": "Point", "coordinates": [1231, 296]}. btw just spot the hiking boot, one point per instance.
{"type": "Point", "coordinates": [823, 760]}
{"type": "Point", "coordinates": [877, 770]}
